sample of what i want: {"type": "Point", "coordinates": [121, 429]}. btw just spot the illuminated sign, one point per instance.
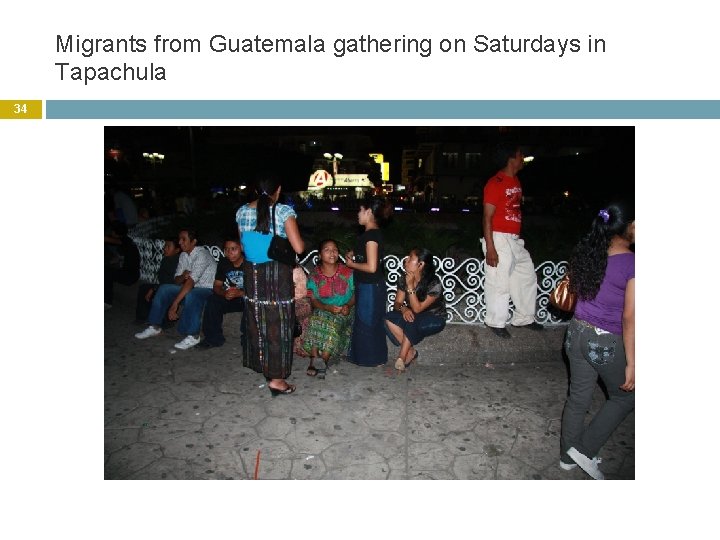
{"type": "Point", "coordinates": [322, 179]}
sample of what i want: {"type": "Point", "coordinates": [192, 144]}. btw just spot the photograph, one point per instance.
{"type": "Point", "coordinates": [369, 302]}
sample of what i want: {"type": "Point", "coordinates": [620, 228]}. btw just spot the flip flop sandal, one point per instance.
{"type": "Point", "coordinates": [413, 358]}
{"type": "Point", "coordinates": [311, 371]}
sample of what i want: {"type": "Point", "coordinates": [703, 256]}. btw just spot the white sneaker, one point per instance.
{"type": "Point", "coordinates": [150, 331]}
{"type": "Point", "coordinates": [570, 466]}
{"type": "Point", "coordinates": [187, 343]}
{"type": "Point", "coordinates": [586, 464]}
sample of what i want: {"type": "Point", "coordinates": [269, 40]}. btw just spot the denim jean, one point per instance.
{"type": "Point", "coordinates": [424, 325]}
{"type": "Point", "coordinates": [193, 304]}
{"type": "Point", "coordinates": [592, 354]}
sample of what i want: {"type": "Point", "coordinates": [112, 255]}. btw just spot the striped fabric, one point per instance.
{"type": "Point", "coordinates": [269, 319]}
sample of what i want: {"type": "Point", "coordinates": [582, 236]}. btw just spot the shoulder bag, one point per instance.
{"type": "Point", "coordinates": [561, 297]}
{"type": "Point", "coordinates": [280, 248]}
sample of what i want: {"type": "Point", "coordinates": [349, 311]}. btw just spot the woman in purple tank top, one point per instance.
{"type": "Point", "coordinates": [600, 339]}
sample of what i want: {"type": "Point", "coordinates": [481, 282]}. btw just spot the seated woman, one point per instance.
{"type": "Point", "coordinates": [332, 291]}
{"type": "Point", "coordinates": [419, 309]}
{"type": "Point", "coordinates": [303, 310]}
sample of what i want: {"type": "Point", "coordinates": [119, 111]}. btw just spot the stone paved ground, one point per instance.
{"type": "Point", "coordinates": [199, 414]}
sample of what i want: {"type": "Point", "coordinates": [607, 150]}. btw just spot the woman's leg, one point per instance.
{"type": "Point", "coordinates": [311, 371]}
{"type": "Point", "coordinates": [606, 353]}
{"type": "Point", "coordinates": [394, 332]}
{"type": "Point", "coordinates": [583, 379]}
{"type": "Point", "coordinates": [406, 348]}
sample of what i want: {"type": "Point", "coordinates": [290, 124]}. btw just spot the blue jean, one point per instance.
{"type": "Point", "coordinates": [424, 325]}
{"type": "Point", "coordinates": [591, 355]}
{"type": "Point", "coordinates": [193, 304]}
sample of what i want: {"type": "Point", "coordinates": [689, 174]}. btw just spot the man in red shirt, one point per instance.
{"type": "Point", "coordinates": [509, 270]}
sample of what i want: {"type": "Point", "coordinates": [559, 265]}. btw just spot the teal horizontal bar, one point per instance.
{"type": "Point", "coordinates": [382, 109]}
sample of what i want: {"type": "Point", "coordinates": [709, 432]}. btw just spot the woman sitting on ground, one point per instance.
{"type": "Point", "coordinates": [303, 310]}
{"type": "Point", "coordinates": [419, 309]}
{"type": "Point", "coordinates": [332, 290]}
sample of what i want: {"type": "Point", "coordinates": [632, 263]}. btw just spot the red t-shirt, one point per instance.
{"type": "Point", "coordinates": [505, 194]}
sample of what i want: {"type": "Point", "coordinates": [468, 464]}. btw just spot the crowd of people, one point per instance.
{"type": "Point", "coordinates": [338, 309]}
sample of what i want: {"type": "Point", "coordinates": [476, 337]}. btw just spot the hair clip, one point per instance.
{"type": "Point", "coordinates": [604, 215]}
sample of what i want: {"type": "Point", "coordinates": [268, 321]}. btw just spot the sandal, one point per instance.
{"type": "Point", "coordinates": [289, 389]}
{"type": "Point", "coordinates": [311, 371]}
{"type": "Point", "coordinates": [321, 371]}
{"type": "Point", "coordinates": [400, 364]}
{"type": "Point", "coordinates": [413, 358]}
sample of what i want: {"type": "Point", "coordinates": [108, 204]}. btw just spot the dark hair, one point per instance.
{"type": "Point", "coordinates": [589, 258]}
{"type": "Point", "coordinates": [191, 232]}
{"type": "Point", "coordinates": [503, 152]}
{"type": "Point", "coordinates": [322, 243]}
{"type": "Point", "coordinates": [265, 187]}
{"type": "Point", "coordinates": [428, 273]}
{"type": "Point", "coordinates": [380, 207]}
{"type": "Point", "coordinates": [232, 234]}
{"type": "Point", "coordinates": [172, 239]}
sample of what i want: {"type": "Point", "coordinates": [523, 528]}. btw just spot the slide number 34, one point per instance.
{"type": "Point", "coordinates": [20, 108]}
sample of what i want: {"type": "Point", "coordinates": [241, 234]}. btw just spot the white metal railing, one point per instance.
{"type": "Point", "coordinates": [463, 281]}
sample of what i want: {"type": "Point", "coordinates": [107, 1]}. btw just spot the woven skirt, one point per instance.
{"type": "Point", "coordinates": [269, 319]}
{"type": "Point", "coordinates": [329, 332]}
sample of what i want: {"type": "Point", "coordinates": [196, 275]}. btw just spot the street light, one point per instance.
{"type": "Point", "coordinates": [154, 158]}
{"type": "Point", "coordinates": [334, 158]}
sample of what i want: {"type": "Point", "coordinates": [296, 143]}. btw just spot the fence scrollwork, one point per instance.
{"type": "Point", "coordinates": [462, 280]}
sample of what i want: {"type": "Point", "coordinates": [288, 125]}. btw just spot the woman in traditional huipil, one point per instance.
{"type": "Point", "coordinates": [269, 314]}
{"type": "Point", "coordinates": [332, 291]}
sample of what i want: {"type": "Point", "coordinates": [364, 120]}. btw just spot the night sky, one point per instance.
{"type": "Point", "coordinates": [605, 167]}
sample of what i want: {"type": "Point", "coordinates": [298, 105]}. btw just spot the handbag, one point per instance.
{"type": "Point", "coordinates": [280, 248]}
{"type": "Point", "coordinates": [562, 297]}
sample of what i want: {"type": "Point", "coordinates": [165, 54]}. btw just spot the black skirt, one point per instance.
{"type": "Point", "coordinates": [269, 319]}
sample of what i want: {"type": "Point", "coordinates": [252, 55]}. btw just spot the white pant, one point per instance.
{"type": "Point", "coordinates": [514, 277]}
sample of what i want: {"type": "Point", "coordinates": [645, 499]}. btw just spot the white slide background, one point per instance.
{"type": "Point", "coordinates": [50, 210]}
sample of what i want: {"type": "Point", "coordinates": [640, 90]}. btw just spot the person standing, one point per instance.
{"type": "Point", "coordinates": [228, 295]}
{"type": "Point", "coordinates": [509, 270]}
{"type": "Point", "coordinates": [125, 269]}
{"type": "Point", "coordinates": [368, 345]}
{"type": "Point", "coordinates": [600, 339]}
{"type": "Point", "coordinates": [269, 317]}
{"type": "Point", "coordinates": [124, 207]}
{"type": "Point", "coordinates": [192, 287]}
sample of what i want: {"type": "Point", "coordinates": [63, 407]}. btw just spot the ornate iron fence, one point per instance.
{"type": "Point", "coordinates": [463, 281]}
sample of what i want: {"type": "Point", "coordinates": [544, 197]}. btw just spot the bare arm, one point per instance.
{"type": "Point", "coordinates": [293, 234]}
{"type": "Point", "coordinates": [628, 323]}
{"type": "Point", "coordinates": [417, 306]}
{"type": "Point", "coordinates": [317, 304]}
{"type": "Point", "coordinates": [371, 264]}
{"type": "Point", "coordinates": [219, 288]}
{"type": "Point", "coordinates": [491, 256]}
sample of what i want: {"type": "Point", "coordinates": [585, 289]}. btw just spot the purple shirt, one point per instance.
{"type": "Point", "coordinates": [606, 309]}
